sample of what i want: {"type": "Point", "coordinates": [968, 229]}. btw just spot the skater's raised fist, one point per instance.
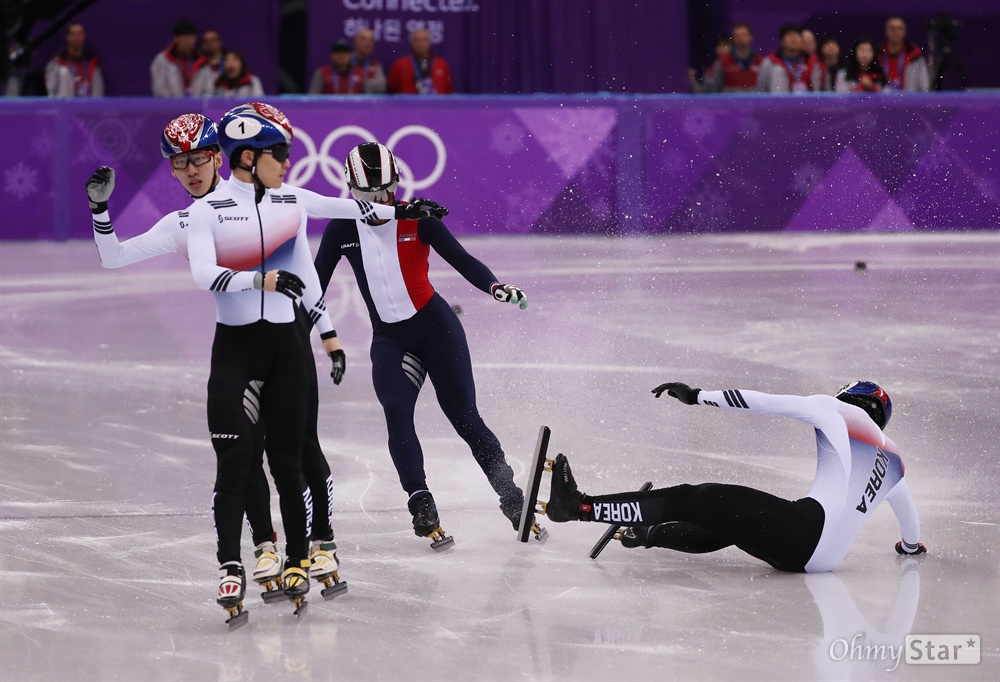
{"type": "Point", "coordinates": [683, 392]}
{"type": "Point", "coordinates": [100, 185]}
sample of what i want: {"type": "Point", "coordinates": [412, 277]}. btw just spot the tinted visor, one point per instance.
{"type": "Point", "coordinates": [376, 197]}
{"type": "Point", "coordinates": [280, 152]}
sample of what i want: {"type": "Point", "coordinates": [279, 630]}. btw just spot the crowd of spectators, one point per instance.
{"type": "Point", "coordinates": [799, 66]}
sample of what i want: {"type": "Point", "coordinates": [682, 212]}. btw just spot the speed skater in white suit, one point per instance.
{"type": "Point", "coordinates": [857, 468]}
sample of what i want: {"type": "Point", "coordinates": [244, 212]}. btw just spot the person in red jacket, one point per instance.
{"type": "Point", "coordinates": [903, 62]}
{"type": "Point", "coordinates": [786, 69]}
{"type": "Point", "coordinates": [422, 72]}
{"type": "Point", "coordinates": [862, 73]}
{"type": "Point", "coordinates": [340, 76]}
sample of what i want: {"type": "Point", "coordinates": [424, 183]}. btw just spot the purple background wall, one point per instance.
{"type": "Point", "coordinates": [571, 164]}
{"type": "Point", "coordinates": [516, 46]}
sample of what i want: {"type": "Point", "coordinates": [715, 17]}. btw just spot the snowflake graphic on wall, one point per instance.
{"type": "Point", "coordinates": [43, 145]}
{"type": "Point", "coordinates": [21, 181]}
{"type": "Point", "coordinates": [108, 138]}
{"type": "Point", "coordinates": [699, 124]}
{"type": "Point", "coordinates": [806, 177]}
{"type": "Point", "coordinates": [507, 139]}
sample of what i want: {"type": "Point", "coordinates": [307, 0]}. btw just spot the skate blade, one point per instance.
{"type": "Point", "coordinates": [300, 606]}
{"type": "Point", "coordinates": [237, 616]}
{"type": "Point", "coordinates": [541, 534]}
{"type": "Point", "coordinates": [441, 541]}
{"type": "Point", "coordinates": [335, 590]}
{"type": "Point", "coordinates": [272, 596]}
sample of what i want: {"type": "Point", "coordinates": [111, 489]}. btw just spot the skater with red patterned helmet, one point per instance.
{"type": "Point", "coordinates": [858, 468]}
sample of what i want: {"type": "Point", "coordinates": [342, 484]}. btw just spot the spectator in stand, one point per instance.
{"type": "Point", "coordinates": [340, 76]}
{"type": "Point", "coordinates": [374, 74]}
{"type": "Point", "coordinates": [737, 70]}
{"type": "Point", "coordinates": [903, 62]}
{"type": "Point", "coordinates": [172, 70]}
{"type": "Point", "coordinates": [808, 43]}
{"type": "Point", "coordinates": [74, 72]}
{"type": "Point", "coordinates": [421, 72]}
{"type": "Point", "coordinates": [709, 82]}
{"type": "Point", "coordinates": [824, 75]}
{"type": "Point", "coordinates": [862, 73]}
{"type": "Point", "coordinates": [786, 68]}
{"type": "Point", "coordinates": [236, 79]}
{"type": "Point", "coordinates": [209, 65]}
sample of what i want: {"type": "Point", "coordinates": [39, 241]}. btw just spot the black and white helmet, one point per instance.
{"type": "Point", "coordinates": [371, 172]}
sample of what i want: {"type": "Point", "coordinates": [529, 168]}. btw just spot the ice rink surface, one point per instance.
{"type": "Point", "coordinates": [107, 547]}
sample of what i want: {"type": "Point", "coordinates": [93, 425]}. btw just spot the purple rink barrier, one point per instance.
{"type": "Point", "coordinates": [602, 165]}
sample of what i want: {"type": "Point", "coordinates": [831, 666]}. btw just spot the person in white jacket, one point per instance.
{"type": "Point", "coordinates": [857, 468]}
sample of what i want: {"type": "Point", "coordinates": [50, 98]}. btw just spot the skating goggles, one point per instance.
{"type": "Point", "coordinates": [181, 161]}
{"type": "Point", "coordinates": [377, 197]}
{"type": "Point", "coordinates": [279, 152]}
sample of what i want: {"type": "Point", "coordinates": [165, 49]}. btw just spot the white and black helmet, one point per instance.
{"type": "Point", "coordinates": [371, 172]}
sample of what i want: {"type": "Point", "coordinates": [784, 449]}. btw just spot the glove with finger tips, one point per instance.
{"type": "Point", "coordinates": [100, 185]}
{"type": "Point", "coordinates": [683, 392]}
{"type": "Point", "coordinates": [420, 208]}
{"type": "Point", "coordinates": [339, 365]}
{"type": "Point", "coordinates": [508, 293]}
{"type": "Point", "coordinates": [285, 282]}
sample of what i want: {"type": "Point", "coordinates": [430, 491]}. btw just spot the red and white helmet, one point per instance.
{"type": "Point", "coordinates": [187, 133]}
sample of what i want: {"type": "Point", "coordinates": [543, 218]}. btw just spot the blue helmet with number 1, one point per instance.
{"type": "Point", "coordinates": [255, 125]}
{"type": "Point", "coordinates": [189, 132]}
{"type": "Point", "coordinates": [871, 398]}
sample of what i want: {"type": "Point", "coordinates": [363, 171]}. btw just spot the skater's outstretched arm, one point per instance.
{"type": "Point", "coordinates": [434, 233]}
{"type": "Point", "coordinates": [819, 411]}
{"type": "Point", "coordinates": [158, 240]}
{"type": "Point", "coordinates": [905, 509]}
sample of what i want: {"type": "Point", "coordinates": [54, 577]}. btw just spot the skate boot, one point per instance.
{"type": "Point", "coordinates": [267, 572]}
{"type": "Point", "coordinates": [426, 523]}
{"type": "Point", "coordinates": [513, 509]}
{"type": "Point", "coordinates": [232, 588]}
{"type": "Point", "coordinates": [296, 580]}
{"type": "Point", "coordinates": [564, 497]}
{"type": "Point", "coordinates": [323, 557]}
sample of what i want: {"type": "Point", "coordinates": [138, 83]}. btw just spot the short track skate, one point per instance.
{"type": "Point", "coordinates": [237, 616]}
{"type": "Point", "coordinates": [614, 532]}
{"type": "Point", "coordinates": [333, 586]}
{"type": "Point", "coordinates": [539, 463]}
{"type": "Point", "coordinates": [440, 541]}
{"type": "Point", "coordinates": [273, 590]}
{"type": "Point", "coordinates": [232, 592]}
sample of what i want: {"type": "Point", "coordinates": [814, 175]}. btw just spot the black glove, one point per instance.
{"type": "Point", "coordinates": [683, 392]}
{"type": "Point", "coordinates": [508, 293]}
{"type": "Point", "coordinates": [420, 208]}
{"type": "Point", "coordinates": [286, 283]}
{"type": "Point", "coordinates": [339, 365]}
{"type": "Point", "coordinates": [919, 550]}
{"type": "Point", "coordinates": [99, 188]}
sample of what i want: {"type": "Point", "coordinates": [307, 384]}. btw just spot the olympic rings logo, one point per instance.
{"type": "Point", "coordinates": [303, 170]}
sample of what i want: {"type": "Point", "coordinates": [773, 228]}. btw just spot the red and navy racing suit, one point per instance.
{"type": "Point", "coordinates": [415, 334]}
